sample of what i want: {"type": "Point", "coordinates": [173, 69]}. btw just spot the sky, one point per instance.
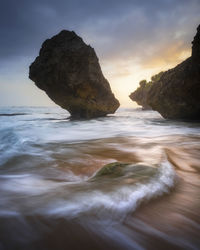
{"type": "Point", "coordinates": [133, 40]}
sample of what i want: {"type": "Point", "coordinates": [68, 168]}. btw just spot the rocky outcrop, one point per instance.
{"type": "Point", "coordinates": [68, 71]}
{"type": "Point", "coordinates": [176, 95]}
{"type": "Point", "coordinates": [140, 95]}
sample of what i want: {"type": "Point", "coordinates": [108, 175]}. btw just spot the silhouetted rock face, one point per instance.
{"type": "Point", "coordinates": [196, 46]}
{"type": "Point", "coordinates": [176, 95]}
{"type": "Point", "coordinates": [140, 95]}
{"type": "Point", "coordinates": [69, 72]}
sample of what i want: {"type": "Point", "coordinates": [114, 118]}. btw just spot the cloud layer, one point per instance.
{"type": "Point", "coordinates": [123, 33]}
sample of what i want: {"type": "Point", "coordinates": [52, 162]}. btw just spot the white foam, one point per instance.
{"type": "Point", "coordinates": [118, 203]}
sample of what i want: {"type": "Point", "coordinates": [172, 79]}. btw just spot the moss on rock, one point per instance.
{"type": "Point", "coordinates": [125, 171]}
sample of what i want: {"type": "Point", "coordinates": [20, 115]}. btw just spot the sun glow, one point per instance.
{"type": "Point", "coordinates": [124, 76]}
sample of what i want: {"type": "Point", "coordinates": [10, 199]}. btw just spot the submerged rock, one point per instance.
{"type": "Point", "coordinates": [114, 169]}
{"type": "Point", "coordinates": [68, 71]}
{"type": "Point", "coordinates": [129, 172]}
{"type": "Point", "coordinates": [176, 94]}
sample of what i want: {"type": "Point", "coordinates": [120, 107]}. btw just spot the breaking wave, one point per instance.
{"type": "Point", "coordinates": [118, 203]}
{"type": "Point", "coordinates": [77, 195]}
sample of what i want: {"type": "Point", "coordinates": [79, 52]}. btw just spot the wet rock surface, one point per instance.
{"type": "Point", "coordinates": [68, 71]}
{"type": "Point", "coordinates": [131, 173]}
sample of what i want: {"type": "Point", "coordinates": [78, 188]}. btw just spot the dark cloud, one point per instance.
{"type": "Point", "coordinates": [24, 23]}
{"type": "Point", "coordinates": [117, 29]}
{"type": "Point", "coordinates": [131, 38]}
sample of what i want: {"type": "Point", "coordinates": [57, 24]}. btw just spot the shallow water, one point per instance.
{"type": "Point", "coordinates": [50, 198]}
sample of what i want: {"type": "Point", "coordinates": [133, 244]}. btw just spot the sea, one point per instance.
{"type": "Point", "coordinates": [55, 192]}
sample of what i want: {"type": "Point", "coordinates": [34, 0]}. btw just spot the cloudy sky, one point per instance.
{"type": "Point", "coordinates": [132, 38]}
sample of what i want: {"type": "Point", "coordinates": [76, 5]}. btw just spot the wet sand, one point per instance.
{"type": "Point", "coordinates": [48, 200]}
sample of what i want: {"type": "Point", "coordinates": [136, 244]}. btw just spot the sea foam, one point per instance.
{"type": "Point", "coordinates": [118, 203]}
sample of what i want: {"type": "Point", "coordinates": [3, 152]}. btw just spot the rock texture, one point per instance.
{"type": "Point", "coordinates": [176, 94]}
{"type": "Point", "coordinates": [69, 72]}
{"type": "Point", "coordinates": [136, 172]}
{"type": "Point", "coordinates": [140, 95]}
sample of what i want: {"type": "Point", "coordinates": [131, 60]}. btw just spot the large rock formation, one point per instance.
{"type": "Point", "coordinates": [69, 72]}
{"type": "Point", "coordinates": [176, 94]}
{"type": "Point", "coordinates": [140, 95]}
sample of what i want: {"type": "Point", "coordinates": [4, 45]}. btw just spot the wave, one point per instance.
{"type": "Point", "coordinates": [117, 204]}
{"type": "Point", "coordinates": [13, 114]}
{"type": "Point", "coordinates": [106, 198]}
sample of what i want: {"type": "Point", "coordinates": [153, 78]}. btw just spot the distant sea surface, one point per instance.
{"type": "Point", "coordinates": [50, 197]}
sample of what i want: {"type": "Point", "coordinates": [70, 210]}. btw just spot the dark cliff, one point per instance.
{"type": "Point", "coordinates": [176, 94]}
{"type": "Point", "coordinates": [68, 71]}
{"type": "Point", "coordinates": [140, 95]}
